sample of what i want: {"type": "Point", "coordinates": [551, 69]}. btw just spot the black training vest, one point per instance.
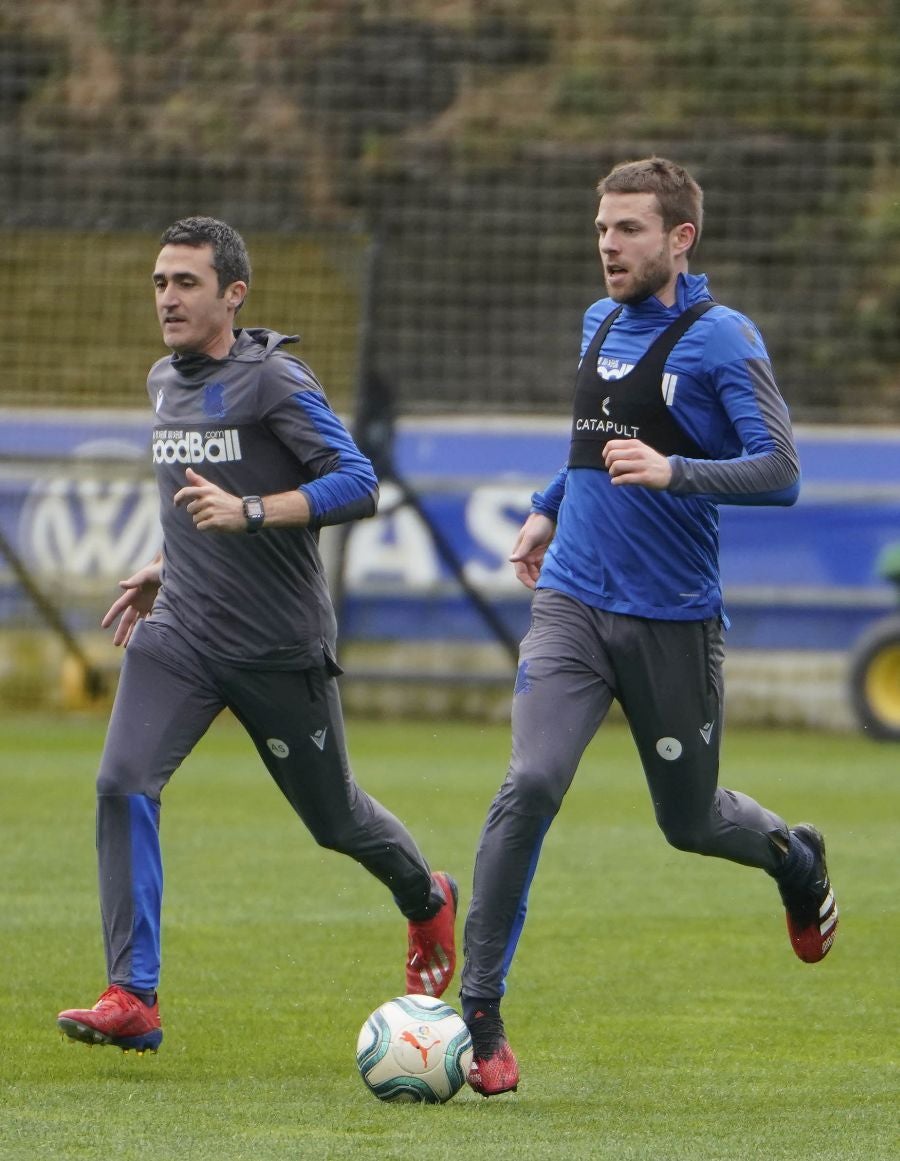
{"type": "Point", "coordinates": [632, 407]}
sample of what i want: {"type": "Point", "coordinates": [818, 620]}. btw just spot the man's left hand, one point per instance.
{"type": "Point", "coordinates": [629, 461]}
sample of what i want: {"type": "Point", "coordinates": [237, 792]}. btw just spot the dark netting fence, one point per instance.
{"type": "Point", "coordinates": [423, 173]}
{"type": "Point", "coordinates": [416, 183]}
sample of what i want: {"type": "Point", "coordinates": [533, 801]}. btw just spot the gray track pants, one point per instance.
{"type": "Point", "coordinates": [667, 675]}
{"type": "Point", "coordinates": [167, 698]}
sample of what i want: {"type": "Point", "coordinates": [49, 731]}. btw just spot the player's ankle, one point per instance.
{"type": "Point", "coordinates": [473, 1008]}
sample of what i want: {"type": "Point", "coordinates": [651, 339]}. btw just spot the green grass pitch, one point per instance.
{"type": "Point", "coordinates": [655, 1005]}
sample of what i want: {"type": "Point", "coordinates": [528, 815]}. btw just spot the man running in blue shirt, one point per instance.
{"type": "Point", "coordinates": [676, 410]}
{"type": "Point", "coordinates": [235, 613]}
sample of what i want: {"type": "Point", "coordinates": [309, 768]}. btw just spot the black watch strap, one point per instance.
{"type": "Point", "coordinates": [254, 513]}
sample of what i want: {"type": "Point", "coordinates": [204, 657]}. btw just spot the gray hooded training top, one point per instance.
{"type": "Point", "coordinates": [255, 423]}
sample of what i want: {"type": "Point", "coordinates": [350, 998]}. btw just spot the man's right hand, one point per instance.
{"type": "Point", "coordinates": [135, 602]}
{"type": "Point", "coordinates": [528, 552]}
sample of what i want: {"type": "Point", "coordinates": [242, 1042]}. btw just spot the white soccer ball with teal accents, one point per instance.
{"type": "Point", "coordinates": [414, 1048]}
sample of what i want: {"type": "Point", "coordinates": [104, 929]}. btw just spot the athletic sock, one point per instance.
{"type": "Point", "coordinates": [427, 910]}
{"type": "Point", "coordinates": [148, 998]}
{"type": "Point", "coordinates": [798, 862]}
{"type": "Point", "coordinates": [474, 1009]}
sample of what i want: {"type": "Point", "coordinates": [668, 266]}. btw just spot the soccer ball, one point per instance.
{"type": "Point", "coordinates": [414, 1048]}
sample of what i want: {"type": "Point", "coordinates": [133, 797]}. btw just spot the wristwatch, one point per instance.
{"type": "Point", "coordinates": [254, 513]}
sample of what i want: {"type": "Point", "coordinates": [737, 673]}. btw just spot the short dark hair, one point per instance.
{"type": "Point", "coordinates": [231, 261]}
{"type": "Point", "coordinates": [679, 197]}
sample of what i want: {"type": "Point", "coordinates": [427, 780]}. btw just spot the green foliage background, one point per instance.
{"type": "Point", "coordinates": [424, 123]}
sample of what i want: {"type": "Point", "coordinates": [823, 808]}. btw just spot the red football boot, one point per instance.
{"type": "Point", "coordinates": [118, 1018]}
{"type": "Point", "coordinates": [494, 1068]}
{"type": "Point", "coordinates": [811, 909]}
{"type": "Point", "coordinates": [431, 957]}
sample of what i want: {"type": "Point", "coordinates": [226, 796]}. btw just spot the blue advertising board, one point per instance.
{"type": "Point", "coordinates": [78, 505]}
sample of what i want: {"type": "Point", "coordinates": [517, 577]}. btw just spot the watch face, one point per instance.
{"type": "Point", "coordinates": [254, 512]}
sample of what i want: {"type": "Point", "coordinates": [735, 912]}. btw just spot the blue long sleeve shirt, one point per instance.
{"type": "Point", "coordinates": [647, 553]}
